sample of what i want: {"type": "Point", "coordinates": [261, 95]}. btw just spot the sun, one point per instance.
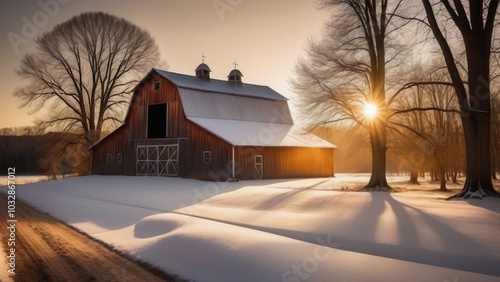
{"type": "Point", "coordinates": [370, 110]}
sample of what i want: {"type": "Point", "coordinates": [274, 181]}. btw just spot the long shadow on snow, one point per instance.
{"type": "Point", "coordinates": [284, 197]}
{"type": "Point", "coordinates": [409, 248]}
{"type": "Point", "coordinates": [410, 244]}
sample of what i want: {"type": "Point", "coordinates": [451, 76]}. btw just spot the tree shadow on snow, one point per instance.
{"type": "Point", "coordinates": [415, 229]}
{"type": "Point", "coordinates": [411, 224]}
{"type": "Point", "coordinates": [281, 198]}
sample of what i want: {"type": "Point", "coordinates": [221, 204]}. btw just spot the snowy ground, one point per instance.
{"type": "Point", "coordinates": [282, 230]}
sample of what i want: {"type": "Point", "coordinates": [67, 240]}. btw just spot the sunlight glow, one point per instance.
{"type": "Point", "coordinates": [370, 110]}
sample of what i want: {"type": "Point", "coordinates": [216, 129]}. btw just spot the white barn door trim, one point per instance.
{"type": "Point", "coordinates": [259, 167]}
{"type": "Point", "coordinates": [158, 160]}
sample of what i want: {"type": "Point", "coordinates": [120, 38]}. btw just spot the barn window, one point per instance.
{"type": "Point", "coordinates": [119, 158]}
{"type": "Point", "coordinates": [207, 157]}
{"type": "Point", "coordinates": [157, 121]}
{"type": "Point", "coordinates": [156, 86]}
{"type": "Point", "coordinates": [258, 160]}
{"type": "Point", "coordinates": [109, 158]}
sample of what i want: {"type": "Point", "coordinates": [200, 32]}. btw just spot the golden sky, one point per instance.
{"type": "Point", "coordinates": [265, 37]}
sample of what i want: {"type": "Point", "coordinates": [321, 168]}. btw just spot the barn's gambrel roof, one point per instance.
{"type": "Point", "coordinates": [221, 86]}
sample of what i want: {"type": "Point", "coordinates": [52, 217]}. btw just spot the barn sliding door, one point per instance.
{"type": "Point", "coordinates": [156, 160]}
{"type": "Point", "coordinates": [168, 160]}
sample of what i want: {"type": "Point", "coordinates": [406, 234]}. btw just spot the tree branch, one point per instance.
{"type": "Point", "coordinates": [397, 112]}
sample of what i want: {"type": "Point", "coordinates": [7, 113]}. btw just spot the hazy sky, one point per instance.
{"type": "Point", "coordinates": [265, 37]}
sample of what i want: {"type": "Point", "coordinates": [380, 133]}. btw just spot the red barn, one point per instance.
{"type": "Point", "coordinates": [203, 128]}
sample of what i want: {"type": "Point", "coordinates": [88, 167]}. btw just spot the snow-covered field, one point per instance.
{"type": "Point", "coordinates": [281, 230]}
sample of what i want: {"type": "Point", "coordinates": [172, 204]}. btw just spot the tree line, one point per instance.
{"type": "Point", "coordinates": [34, 152]}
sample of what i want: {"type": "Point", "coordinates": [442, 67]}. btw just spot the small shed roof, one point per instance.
{"type": "Point", "coordinates": [250, 133]}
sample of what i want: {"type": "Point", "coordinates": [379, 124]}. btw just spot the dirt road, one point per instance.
{"type": "Point", "coordinates": [49, 250]}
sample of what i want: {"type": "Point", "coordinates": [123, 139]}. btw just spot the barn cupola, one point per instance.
{"type": "Point", "coordinates": [235, 75]}
{"type": "Point", "coordinates": [203, 71]}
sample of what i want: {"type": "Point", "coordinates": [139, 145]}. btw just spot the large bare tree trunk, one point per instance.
{"type": "Point", "coordinates": [478, 182]}
{"type": "Point", "coordinates": [442, 178]}
{"type": "Point", "coordinates": [475, 102]}
{"type": "Point", "coordinates": [414, 177]}
{"type": "Point", "coordinates": [477, 123]}
{"type": "Point", "coordinates": [378, 141]}
{"type": "Point", "coordinates": [493, 170]}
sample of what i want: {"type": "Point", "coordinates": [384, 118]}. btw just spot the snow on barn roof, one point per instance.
{"type": "Point", "coordinates": [250, 133]}
{"type": "Point", "coordinates": [221, 86]}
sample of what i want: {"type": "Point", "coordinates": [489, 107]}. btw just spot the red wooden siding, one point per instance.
{"type": "Point", "coordinates": [145, 96]}
{"type": "Point", "coordinates": [284, 162]}
{"type": "Point", "coordinates": [126, 139]}
{"type": "Point", "coordinates": [199, 141]}
{"type": "Point", "coordinates": [113, 144]}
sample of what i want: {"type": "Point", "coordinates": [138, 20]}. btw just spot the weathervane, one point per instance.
{"type": "Point", "coordinates": [235, 64]}
{"type": "Point", "coordinates": [203, 58]}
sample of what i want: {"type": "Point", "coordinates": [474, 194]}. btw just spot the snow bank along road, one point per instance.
{"type": "Point", "coordinates": [280, 230]}
{"type": "Point", "coordinates": [49, 250]}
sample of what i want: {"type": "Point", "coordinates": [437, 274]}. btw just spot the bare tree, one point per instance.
{"type": "Point", "coordinates": [344, 78]}
{"type": "Point", "coordinates": [84, 70]}
{"type": "Point", "coordinates": [475, 21]}
{"type": "Point", "coordinates": [22, 131]}
{"type": "Point", "coordinates": [411, 149]}
{"type": "Point", "coordinates": [57, 159]}
{"type": "Point", "coordinates": [434, 133]}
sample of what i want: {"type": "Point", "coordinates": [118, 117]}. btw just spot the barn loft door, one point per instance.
{"type": "Point", "coordinates": [158, 160]}
{"type": "Point", "coordinates": [259, 167]}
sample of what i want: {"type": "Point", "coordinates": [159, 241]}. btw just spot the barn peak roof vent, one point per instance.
{"type": "Point", "coordinates": [235, 75]}
{"type": "Point", "coordinates": [203, 71]}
